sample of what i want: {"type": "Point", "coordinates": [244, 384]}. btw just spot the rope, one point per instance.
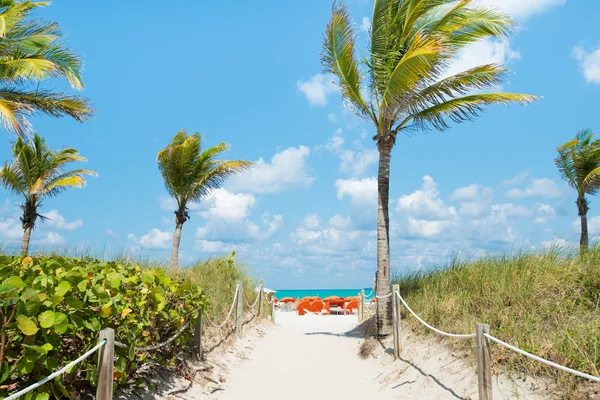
{"type": "Point", "coordinates": [56, 373]}
{"type": "Point", "coordinates": [255, 301]}
{"type": "Point", "coordinates": [230, 310]}
{"type": "Point", "coordinates": [455, 335]}
{"type": "Point", "coordinates": [384, 297]}
{"type": "Point", "coordinates": [166, 342]}
{"type": "Point", "coordinates": [542, 360]}
{"type": "Point", "coordinates": [370, 293]}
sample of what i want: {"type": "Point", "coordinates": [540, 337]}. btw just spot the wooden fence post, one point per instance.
{"type": "Point", "coordinates": [484, 367]}
{"type": "Point", "coordinates": [272, 310]}
{"type": "Point", "coordinates": [106, 363]}
{"type": "Point", "coordinates": [239, 310]}
{"type": "Point", "coordinates": [361, 316]}
{"type": "Point", "coordinates": [198, 337]}
{"type": "Point", "coordinates": [396, 322]}
{"type": "Point", "coordinates": [260, 299]}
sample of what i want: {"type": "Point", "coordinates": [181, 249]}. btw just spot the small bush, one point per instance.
{"type": "Point", "coordinates": [52, 309]}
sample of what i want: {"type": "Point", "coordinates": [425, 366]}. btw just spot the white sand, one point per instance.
{"type": "Point", "coordinates": [315, 357]}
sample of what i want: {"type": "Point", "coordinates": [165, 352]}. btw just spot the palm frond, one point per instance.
{"type": "Point", "coordinates": [339, 59]}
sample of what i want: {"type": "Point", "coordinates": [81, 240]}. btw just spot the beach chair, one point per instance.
{"type": "Point", "coordinates": [351, 305]}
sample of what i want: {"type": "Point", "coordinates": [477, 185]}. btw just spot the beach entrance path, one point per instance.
{"type": "Point", "coordinates": [303, 358]}
{"type": "Point", "coordinates": [316, 358]}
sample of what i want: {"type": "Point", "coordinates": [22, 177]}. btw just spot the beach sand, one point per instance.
{"type": "Point", "coordinates": [316, 358]}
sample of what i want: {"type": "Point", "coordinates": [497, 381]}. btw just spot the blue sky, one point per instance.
{"type": "Point", "coordinates": [249, 74]}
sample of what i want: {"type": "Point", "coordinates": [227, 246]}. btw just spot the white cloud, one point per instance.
{"type": "Point", "coordinates": [358, 163]}
{"type": "Point", "coordinates": [287, 169]}
{"type": "Point", "coordinates": [11, 230]}
{"type": "Point", "coordinates": [521, 9]}
{"type": "Point", "coordinates": [544, 212]}
{"type": "Point", "coordinates": [426, 229]}
{"type": "Point", "coordinates": [52, 239]}
{"type": "Point", "coordinates": [226, 205]}
{"type": "Point", "coordinates": [425, 203]}
{"type": "Point", "coordinates": [474, 200]}
{"type": "Point", "coordinates": [362, 191]}
{"type": "Point", "coordinates": [589, 63]}
{"type": "Point", "coordinates": [485, 51]}
{"type": "Point", "coordinates": [208, 246]}
{"type": "Point", "coordinates": [109, 232]}
{"type": "Point", "coordinates": [542, 187]}
{"type": "Point", "coordinates": [311, 221]}
{"type": "Point", "coordinates": [57, 221]}
{"type": "Point", "coordinates": [155, 239]}
{"type": "Point", "coordinates": [517, 179]}
{"type": "Point", "coordinates": [510, 210]}
{"type": "Point", "coordinates": [365, 25]}
{"type": "Point", "coordinates": [317, 88]}
{"type": "Point", "coordinates": [555, 243]}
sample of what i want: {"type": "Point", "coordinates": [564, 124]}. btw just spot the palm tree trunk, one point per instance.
{"type": "Point", "coordinates": [176, 240]}
{"type": "Point", "coordinates": [25, 241]}
{"type": "Point", "coordinates": [582, 208]}
{"type": "Point", "coordinates": [384, 306]}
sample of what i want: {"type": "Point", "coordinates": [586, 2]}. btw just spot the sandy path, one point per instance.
{"type": "Point", "coordinates": [315, 358]}
{"type": "Point", "coordinates": [293, 361]}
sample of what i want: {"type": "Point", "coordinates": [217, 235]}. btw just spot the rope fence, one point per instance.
{"type": "Point", "coordinates": [56, 373]}
{"type": "Point", "coordinates": [482, 338]}
{"type": "Point", "coordinates": [107, 344]}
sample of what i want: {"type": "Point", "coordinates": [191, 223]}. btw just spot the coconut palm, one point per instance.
{"type": "Point", "coordinates": [31, 51]}
{"type": "Point", "coordinates": [190, 174]}
{"type": "Point", "coordinates": [403, 84]}
{"type": "Point", "coordinates": [37, 172]}
{"type": "Point", "coordinates": [579, 164]}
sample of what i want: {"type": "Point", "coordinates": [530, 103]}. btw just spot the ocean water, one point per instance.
{"type": "Point", "coordinates": [322, 293]}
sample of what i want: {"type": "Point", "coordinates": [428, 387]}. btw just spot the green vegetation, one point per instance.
{"type": "Point", "coordinates": [37, 173]}
{"type": "Point", "coordinates": [547, 304]}
{"type": "Point", "coordinates": [579, 164]}
{"type": "Point", "coordinates": [32, 52]}
{"type": "Point", "coordinates": [52, 309]}
{"type": "Point", "coordinates": [190, 174]}
{"type": "Point", "coordinates": [404, 85]}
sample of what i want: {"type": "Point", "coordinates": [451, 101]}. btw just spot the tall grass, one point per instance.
{"type": "Point", "coordinates": [546, 304]}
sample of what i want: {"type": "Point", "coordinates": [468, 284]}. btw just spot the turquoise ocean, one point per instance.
{"type": "Point", "coordinates": [322, 293]}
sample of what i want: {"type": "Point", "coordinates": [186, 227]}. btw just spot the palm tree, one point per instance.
{"type": "Point", "coordinates": [31, 51]}
{"type": "Point", "coordinates": [579, 164]}
{"type": "Point", "coordinates": [35, 173]}
{"type": "Point", "coordinates": [403, 86]}
{"type": "Point", "coordinates": [190, 174]}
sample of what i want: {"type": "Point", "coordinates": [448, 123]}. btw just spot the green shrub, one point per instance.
{"type": "Point", "coordinates": [52, 309]}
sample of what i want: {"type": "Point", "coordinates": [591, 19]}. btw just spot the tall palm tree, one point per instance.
{"type": "Point", "coordinates": [190, 174]}
{"type": "Point", "coordinates": [35, 173]}
{"type": "Point", "coordinates": [579, 164]}
{"type": "Point", "coordinates": [31, 51]}
{"type": "Point", "coordinates": [404, 85]}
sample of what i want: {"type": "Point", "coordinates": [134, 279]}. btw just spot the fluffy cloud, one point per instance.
{"type": "Point", "coordinates": [357, 163]}
{"type": "Point", "coordinates": [155, 239]}
{"type": "Point", "coordinates": [287, 169]}
{"type": "Point", "coordinates": [517, 179]}
{"type": "Point", "coordinates": [589, 63]}
{"type": "Point", "coordinates": [544, 213]}
{"type": "Point", "coordinates": [225, 205]}
{"type": "Point", "coordinates": [57, 221]}
{"type": "Point", "coordinates": [365, 25]}
{"type": "Point", "coordinates": [425, 203]}
{"type": "Point", "coordinates": [474, 200]}
{"type": "Point", "coordinates": [11, 230]}
{"type": "Point", "coordinates": [485, 51]}
{"type": "Point", "coordinates": [521, 9]}
{"type": "Point", "coordinates": [361, 191]}
{"type": "Point", "coordinates": [542, 187]}
{"type": "Point", "coordinates": [317, 88]}
{"type": "Point", "coordinates": [110, 233]}
{"type": "Point", "coordinates": [208, 246]}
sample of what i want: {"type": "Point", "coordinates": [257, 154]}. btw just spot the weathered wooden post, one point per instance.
{"type": "Point", "coordinates": [260, 298]}
{"type": "Point", "coordinates": [239, 309]}
{"type": "Point", "coordinates": [272, 310]}
{"type": "Point", "coordinates": [106, 363]}
{"type": "Point", "coordinates": [198, 336]}
{"type": "Point", "coordinates": [361, 316]}
{"type": "Point", "coordinates": [484, 366]}
{"type": "Point", "coordinates": [396, 322]}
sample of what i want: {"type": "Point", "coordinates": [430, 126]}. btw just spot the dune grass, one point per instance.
{"type": "Point", "coordinates": [546, 304]}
